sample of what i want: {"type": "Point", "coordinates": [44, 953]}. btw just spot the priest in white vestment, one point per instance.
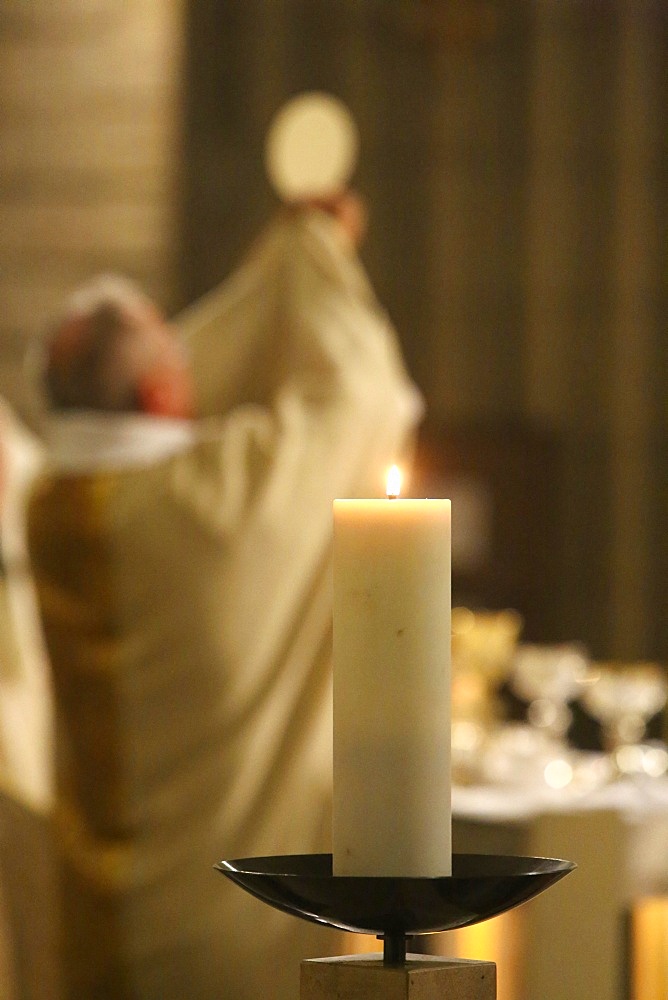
{"type": "Point", "coordinates": [183, 569]}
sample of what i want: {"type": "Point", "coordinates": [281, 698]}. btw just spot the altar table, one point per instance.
{"type": "Point", "coordinates": [602, 932]}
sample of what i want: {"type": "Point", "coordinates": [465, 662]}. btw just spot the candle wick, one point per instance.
{"type": "Point", "coordinates": [392, 496]}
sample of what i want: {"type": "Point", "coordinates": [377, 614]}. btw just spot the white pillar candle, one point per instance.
{"type": "Point", "coordinates": [391, 809]}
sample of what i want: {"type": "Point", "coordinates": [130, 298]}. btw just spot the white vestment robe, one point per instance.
{"type": "Point", "coordinates": [183, 571]}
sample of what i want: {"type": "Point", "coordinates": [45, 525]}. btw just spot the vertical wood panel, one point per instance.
{"type": "Point", "coordinates": [89, 148]}
{"type": "Point", "coordinates": [566, 337]}
{"type": "Point", "coordinates": [637, 266]}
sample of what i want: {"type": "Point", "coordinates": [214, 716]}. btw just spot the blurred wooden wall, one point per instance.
{"type": "Point", "coordinates": [514, 157]}
{"type": "Point", "coordinates": [515, 161]}
{"type": "Point", "coordinates": [89, 154]}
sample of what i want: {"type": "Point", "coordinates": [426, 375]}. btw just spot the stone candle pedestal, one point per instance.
{"type": "Point", "coordinates": [364, 977]}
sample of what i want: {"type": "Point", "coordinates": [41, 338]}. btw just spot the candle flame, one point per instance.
{"type": "Point", "coordinates": [393, 482]}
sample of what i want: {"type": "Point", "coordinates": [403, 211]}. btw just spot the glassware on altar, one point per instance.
{"type": "Point", "coordinates": [525, 758]}
{"type": "Point", "coordinates": [548, 678]}
{"type": "Point", "coordinates": [483, 644]}
{"type": "Point", "coordinates": [518, 754]}
{"type": "Point", "coordinates": [623, 697]}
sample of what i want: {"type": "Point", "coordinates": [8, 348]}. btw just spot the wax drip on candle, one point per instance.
{"type": "Point", "coordinates": [393, 487]}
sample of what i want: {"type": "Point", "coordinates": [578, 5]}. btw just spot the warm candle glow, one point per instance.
{"type": "Point", "coordinates": [393, 482]}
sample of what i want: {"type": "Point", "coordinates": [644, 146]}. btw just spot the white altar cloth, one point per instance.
{"type": "Point", "coordinates": [641, 803]}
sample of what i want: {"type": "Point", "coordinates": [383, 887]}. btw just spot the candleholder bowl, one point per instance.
{"type": "Point", "coordinates": [481, 886]}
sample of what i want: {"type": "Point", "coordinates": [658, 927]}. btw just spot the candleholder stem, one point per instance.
{"type": "Point", "coordinates": [394, 948]}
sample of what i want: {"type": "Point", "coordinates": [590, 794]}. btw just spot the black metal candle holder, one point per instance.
{"type": "Point", "coordinates": [481, 886]}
